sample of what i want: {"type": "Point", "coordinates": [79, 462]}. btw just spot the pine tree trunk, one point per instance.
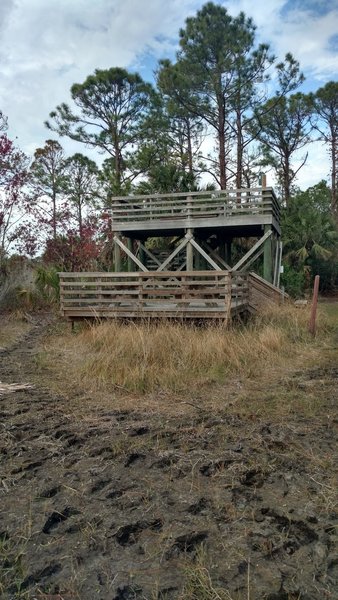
{"type": "Point", "coordinates": [80, 220]}
{"type": "Point", "coordinates": [221, 141]}
{"type": "Point", "coordinates": [239, 170]}
{"type": "Point", "coordinates": [190, 165]}
{"type": "Point", "coordinates": [334, 151]}
{"type": "Point", "coordinates": [117, 160]}
{"type": "Point", "coordinates": [287, 182]}
{"type": "Point", "coordinates": [54, 213]}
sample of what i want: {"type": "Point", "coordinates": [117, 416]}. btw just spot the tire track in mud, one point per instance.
{"type": "Point", "coordinates": [113, 506]}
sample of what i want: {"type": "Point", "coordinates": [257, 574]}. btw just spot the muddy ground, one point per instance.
{"type": "Point", "coordinates": [123, 504]}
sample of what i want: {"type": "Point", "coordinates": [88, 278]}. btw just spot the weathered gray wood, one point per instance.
{"type": "Point", "coordinates": [130, 248]}
{"type": "Point", "coordinates": [196, 209]}
{"type": "Point", "coordinates": [179, 223]}
{"type": "Point", "coordinates": [126, 200]}
{"type": "Point", "coordinates": [267, 256]}
{"type": "Point", "coordinates": [173, 254]}
{"type": "Point", "coordinates": [129, 253]}
{"type": "Point", "coordinates": [252, 250]}
{"type": "Point", "coordinates": [117, 253]}
{"type": "Point", "coordinates": [190, 251]}
{"type": "Point", "coordinates": [275, 263]}
{"type": "Point", "coordinates": [254, 258]}
{"type": "Point", "coordinates": [201, 294]}
{"type": "Point", "coordinates": [279, 262]}
{"type": "Point", "coordinates": [149, 253]}
{"type": "Point", "coordinates": [205, 255]}
{"type": "Point", "coordinates": [215, 255]}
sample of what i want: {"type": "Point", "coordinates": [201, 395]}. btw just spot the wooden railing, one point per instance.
{"type": "Point", "coordinates": [194, 205]}
{"type": "Point", "coordinates": [198, 294]}
{"type": "Point", "coordinates": [261, 293]}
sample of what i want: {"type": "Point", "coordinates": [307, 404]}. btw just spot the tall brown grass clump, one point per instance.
{"type": "Point", "coordinates": [144, 357]}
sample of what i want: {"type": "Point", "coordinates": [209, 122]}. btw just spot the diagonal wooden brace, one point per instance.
{"type": "Point", "coordinates": [252, 251]}
{"type": "Point", "coordinates": [216, 256]}
{"type": "Point", "coordinates": [148, 253]}
{"type": "Point", "coordinates": [205, 255]}
{"type": "Point", "coordinates": [253, 258]}
{"type": "Point", "coordinates": [129, 253]}
{"type": "Point", "coordinates": [187, 239]}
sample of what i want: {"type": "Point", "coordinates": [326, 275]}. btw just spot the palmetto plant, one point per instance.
{"type": "Point", "coordinates": [47, 282]}
{"type": "Point", "coordinates": [309, 231]}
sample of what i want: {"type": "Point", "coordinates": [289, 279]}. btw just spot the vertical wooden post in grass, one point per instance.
{"type": "Point", "coordinates": [312, 323]}
{"type": "Point", "coordinates": [267, 257]}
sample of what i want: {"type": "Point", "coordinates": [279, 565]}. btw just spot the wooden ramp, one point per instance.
{"type": "Point", "coordinates": [170, 294]}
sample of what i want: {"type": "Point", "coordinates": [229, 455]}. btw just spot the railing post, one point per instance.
{"type": "Point", "coordinates": [312, 323]}
{"type": "Point", "coordinates": [228, 297]}
{"type": "Point", "coordinates": [61, 295]}
{"type": "Point", "coordinates": [99, 289]}
{"type": "Point", "coordinates": [189, 207]}
{"type": "Point", "coordinates": [140, 291]}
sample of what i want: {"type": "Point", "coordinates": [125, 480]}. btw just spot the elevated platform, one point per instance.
{"type": "Point", "coordinates": [244, 211]}
{"type": "Point", "coordinates": [209, 281]}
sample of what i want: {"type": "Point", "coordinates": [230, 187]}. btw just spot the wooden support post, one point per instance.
{"type": "Point", "coordinates": [180, 247]}
{"type": "Point", "coordinates": [205, 255]}
{"type": "Point", "coordinates": [275, 263]}
{"type": "Point", "coordinates": [228, 298]}
{"type": "Point", "coordinates": [190, 251]}
{"type": "Point", "coordinates": [312, 323]}
{"type": "Point", "coordinates": [117, 254]}
{"type": "Point", "coordinates": [141, 254]}
{"type": "Point", "coordinates": [253, 250]}
{"type": "Point", "coordinates": [280, 253]}
{"type": "Point", "coordinates": [141, 284]}
{"type": "Point", "coordinates": [216, 256]}
{"type": "Point", "coordinates": [253, 258]}
{"type": "Point", "coordinates": [227, 252]}
{"type": "Point", "coordinates": [130, 248]}
{"type": "Point", "coordinates": [267, 267]}
{"type": "Point", "coordinates": [198, 261]}
{"type": "Point", "coordinates": [129, 253]}
{"type": "Point", "coordinates": [146, 252]}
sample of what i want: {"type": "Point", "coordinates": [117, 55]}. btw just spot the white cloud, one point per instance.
{"type": "Point", "coordinates": [300, 30]}
{"type": "Point", "coordinates": [5, 9]}
{"type": "Point", "coordinates": [47, 46]}
{"type": "Point", "coordinates": [316, 168]}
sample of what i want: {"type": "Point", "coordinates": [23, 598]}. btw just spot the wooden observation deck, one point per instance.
{"type": "Point", "coordinates": [198, 275]}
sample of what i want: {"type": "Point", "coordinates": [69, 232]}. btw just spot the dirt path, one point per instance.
{"type": "Point", "coordinates": [124, 505]}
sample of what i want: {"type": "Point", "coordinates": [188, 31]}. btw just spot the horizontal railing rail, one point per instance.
{"type": "Point", "coordinates": [194, 205]}
{"type": "Point", "coordinates": [261, 293]}
{"type": "Point", "coordinates": [171, 293]}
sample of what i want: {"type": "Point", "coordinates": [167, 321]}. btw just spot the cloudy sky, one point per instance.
{"type": "Point", "coordinates": [46, 46]}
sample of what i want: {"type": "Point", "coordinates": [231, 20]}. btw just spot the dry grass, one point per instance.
{"type": "Point", "coordinates": [198, 583]}
{"type": "Point", "coordinates": [177, 358]}
{"type": "Point", "coordinates": [11, 329]}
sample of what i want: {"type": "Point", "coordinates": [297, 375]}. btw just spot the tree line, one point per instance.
{"type": "Point", "coordinates": [224, 91]}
